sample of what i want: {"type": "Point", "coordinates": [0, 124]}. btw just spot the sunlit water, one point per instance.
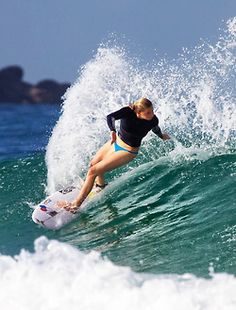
{"type": "Point", "coordinates": [163, 233]}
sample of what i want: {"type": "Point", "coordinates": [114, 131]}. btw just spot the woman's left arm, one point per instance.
{"type": "Point", "coordinates": [160, 134]}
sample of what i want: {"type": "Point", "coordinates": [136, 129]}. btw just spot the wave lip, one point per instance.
{"type": "Point", "coordinates": [194, 97]}
{"type": "Point", "coordinates": [58, 276]}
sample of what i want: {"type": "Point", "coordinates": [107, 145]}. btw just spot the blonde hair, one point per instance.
{"type": "Point", "coordinates": [141, 105]}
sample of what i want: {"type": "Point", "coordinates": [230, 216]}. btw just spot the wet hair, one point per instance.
{"type": "Point", "coordinates": [141, 105]}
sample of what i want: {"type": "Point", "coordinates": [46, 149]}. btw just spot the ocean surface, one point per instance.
{"type": "Point", "coordinates": [162, 235]}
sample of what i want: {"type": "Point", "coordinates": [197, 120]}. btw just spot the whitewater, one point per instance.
{"type": "Point", "coordinates": [163, 234]}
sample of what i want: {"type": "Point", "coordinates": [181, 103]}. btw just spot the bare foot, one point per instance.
{"type": "Point", "coordinates": [68, 206]}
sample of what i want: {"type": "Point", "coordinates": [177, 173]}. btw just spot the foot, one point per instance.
{"type": "Point", "coordinates": [99, 187]}
{"type": "Point", "coordinates": [68, 206]}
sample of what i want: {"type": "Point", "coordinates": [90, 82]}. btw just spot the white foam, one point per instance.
{"type": "Point", "coordinates": [194, 97]}
{"type": "Point", "coordinates": [180, 152]}
{"type": "Point", "coordinates": [58, 276]}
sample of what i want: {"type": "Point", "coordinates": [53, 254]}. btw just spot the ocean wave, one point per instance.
{"type": "Point", "coordinates": [58, 276]}
{"type": "Point", "coordinates": [194, 97]}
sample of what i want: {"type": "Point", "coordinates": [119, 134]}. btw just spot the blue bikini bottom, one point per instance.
{"type": "Point", "coordinates": [120, 148]}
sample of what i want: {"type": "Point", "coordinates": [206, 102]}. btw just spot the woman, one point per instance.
{"type": "Point", "coordinates": [136, 121]}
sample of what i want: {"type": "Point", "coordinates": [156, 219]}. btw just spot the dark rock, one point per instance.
{"type": "Point", "coordinates": [48, 84]}
{"type": "Point", "coordinates": [14, 89]}
{"type": "Point", "coordinates": [12, 73]}
{"type": "Point", "coordinates": [51, 90]}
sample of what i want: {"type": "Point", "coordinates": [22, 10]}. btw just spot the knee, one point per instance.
{"type": "Point", "coordinates": [92, 171]}
{"type": "Point", "coordinates": [93, 162]}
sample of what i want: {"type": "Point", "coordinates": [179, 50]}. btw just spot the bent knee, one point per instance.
{"type": "Point", "coordinates": [92, 171]}
{"type": "Point", "coordinates": [94, 161]}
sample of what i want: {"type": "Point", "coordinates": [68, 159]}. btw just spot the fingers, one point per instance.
{"type": "Point", "coordinates": [166, 136]}
{"type": "Point", "coordinates": [113, 140]}
{"type": "Point", "coordinates": [113, 137]}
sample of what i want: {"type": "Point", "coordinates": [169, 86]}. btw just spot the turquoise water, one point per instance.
{"type": "Point", "coordinates": [162, 217]}
{"type": "Point", "coordinates": [163, 233]}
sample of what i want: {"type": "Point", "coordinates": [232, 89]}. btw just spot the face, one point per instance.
{"type": "Point", "coordinates": [146, 114]}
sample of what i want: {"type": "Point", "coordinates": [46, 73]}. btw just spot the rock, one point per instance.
{"type": "Point", "coordinates": [12, 73]}
{"type": "Point", "coordinates": [14, 89]}
{"type": "Point", "coordinates": [51, 90]}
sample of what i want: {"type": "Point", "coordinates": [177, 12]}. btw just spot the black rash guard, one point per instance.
{"type": "Point", "coordinates": [133, 129]}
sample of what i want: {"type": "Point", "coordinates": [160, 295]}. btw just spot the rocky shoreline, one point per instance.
{"type": "Point", "coordinates": [13, 89]}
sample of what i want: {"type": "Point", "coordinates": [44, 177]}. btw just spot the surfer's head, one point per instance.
{"type": "Point", "coordinates": [143, 108]}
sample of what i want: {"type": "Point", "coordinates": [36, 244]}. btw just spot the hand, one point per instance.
{"type": "Point", "coordinates": [165, 136]}
{"type": "Point", "coordinates": [113, 137]}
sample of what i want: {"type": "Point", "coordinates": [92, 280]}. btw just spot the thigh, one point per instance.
{"type": "Point", "coordinates": [112, 161]}
{"type": "Point", "coordinates": [102, 153]}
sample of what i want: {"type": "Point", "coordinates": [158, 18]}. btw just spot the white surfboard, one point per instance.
{"type": "Point", "coordinates": [49, 215]}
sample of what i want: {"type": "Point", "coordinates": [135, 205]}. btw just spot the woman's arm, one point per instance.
{"type": "Point", "coordinates": [111, 122]}
{"type": "Point", "coordinates": [160, 134]}
{"type": "Point", "coordinates": [112, 117]}
{"type": "Point", "coordinates": [157, 131]}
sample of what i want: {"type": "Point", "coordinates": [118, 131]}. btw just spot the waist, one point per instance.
{"type": "Point", "coordinates": [131, 139]}
{"type": "Point", "coordinates": [126, 146]}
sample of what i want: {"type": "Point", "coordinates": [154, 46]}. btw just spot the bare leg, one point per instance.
{"type": "Point", "coordinates": [111, 161]}
{"type": "Point", "coordinates": [100, 180]}
{"type": "Point", "coordinates": [98, 157]}
{"type": "Point", "coordinates": [86, 189]}
{"type": "Point", "coordinates": [106, 159]}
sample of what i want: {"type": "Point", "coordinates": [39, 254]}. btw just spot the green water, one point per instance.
{"type": "Point", "coordinates": [165, 216]}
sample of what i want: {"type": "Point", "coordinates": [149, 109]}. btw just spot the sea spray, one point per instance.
{"type": "Point", "coordinates": [193, 96]}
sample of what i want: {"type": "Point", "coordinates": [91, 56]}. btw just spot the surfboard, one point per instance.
{"type": "Point", "coordinates": [48, 215]}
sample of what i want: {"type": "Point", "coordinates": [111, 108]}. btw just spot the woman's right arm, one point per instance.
{"type": "Point", "coordinates": [112, 117]}
{"type": "Point", "coordinates": [111, 122]}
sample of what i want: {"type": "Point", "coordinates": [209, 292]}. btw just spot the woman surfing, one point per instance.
{"type": "Point", "coordinates": [136, 120]}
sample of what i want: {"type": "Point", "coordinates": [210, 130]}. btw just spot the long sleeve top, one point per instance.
{"type": "Point", "coordinates": [133, 129]}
